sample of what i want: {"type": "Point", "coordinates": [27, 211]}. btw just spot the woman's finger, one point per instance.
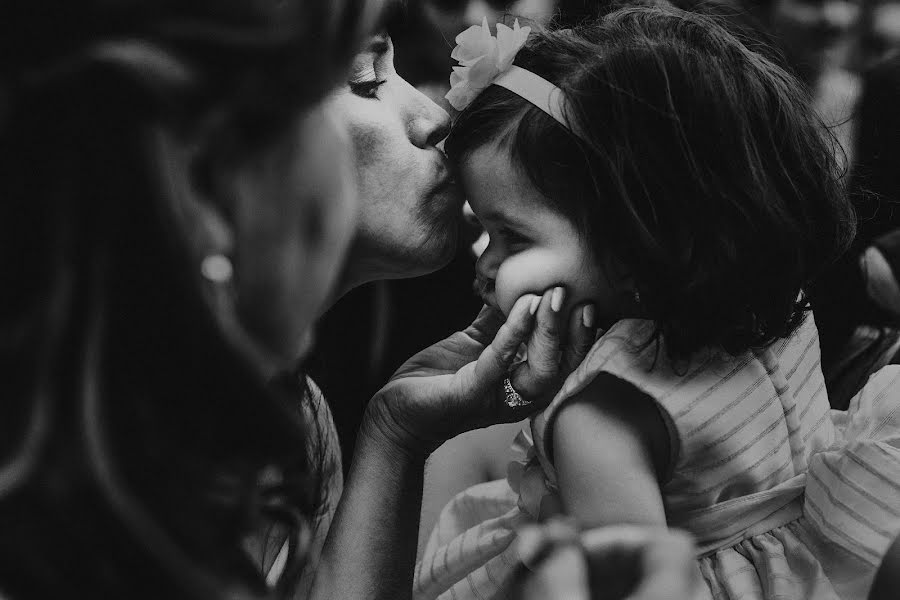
{"type": "Point", "coordinates": [486, 325]}
{"type": "Point", "coordinates": [617, 562]}
{"type": "Point", "coordinates": [493, 364]}
{"type": "Point", "coordinates": [556, 567]}
{"type": "Point", "coordinates": [536, 542]}
{"type": "Point", "coordinates": [615, 558]}
{"type": "Point", "coordinates": [561, 575]}
{"type": "Point", "coordinates": [669, 569]}
{"type": "Point", "coordinates": [641, 563]}
{"type": "Point", "coordinates": [540, 372]}
{"type": "Point", "coordinates": [582, 332]}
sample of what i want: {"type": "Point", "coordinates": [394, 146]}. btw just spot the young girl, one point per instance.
{"type": "Point", "coordinates": [653, 165]}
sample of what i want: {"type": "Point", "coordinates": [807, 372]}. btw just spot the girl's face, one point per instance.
{"type": "Point", "coordinates": [532, 246]}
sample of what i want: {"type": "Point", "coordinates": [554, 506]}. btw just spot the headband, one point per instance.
{"type": "Point", "coordinates": [485, 60]}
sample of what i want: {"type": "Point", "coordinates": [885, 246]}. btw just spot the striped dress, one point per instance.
{"type": "Point", "coordinates": [785, 497]}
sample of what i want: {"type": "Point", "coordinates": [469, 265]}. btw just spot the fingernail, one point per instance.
{"type": "Point", "coordinates": [587, 316]}
{"type": "Point", "coordinates": [556, 300]}
{"type": "Point", "coordinates": [535, 302]}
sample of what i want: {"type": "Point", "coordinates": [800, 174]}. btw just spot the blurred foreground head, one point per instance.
{"type": "Point", "coordinates": [174, 207]}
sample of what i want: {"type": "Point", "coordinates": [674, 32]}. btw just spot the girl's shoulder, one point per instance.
{"type": "Point", "coordinates": [630, 351]}
{"type": "Point", "coordinates": [693, 396]}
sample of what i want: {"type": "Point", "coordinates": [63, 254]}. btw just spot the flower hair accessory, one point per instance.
{"type": "Point", "coordinates": [485, 60]}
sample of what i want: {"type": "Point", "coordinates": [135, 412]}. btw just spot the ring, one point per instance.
{"type": "Point", "coordinates": [513, 398]}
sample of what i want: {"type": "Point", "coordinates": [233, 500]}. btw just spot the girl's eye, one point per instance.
{"type": "Point", "coordinates": [512, 238]}
{"type": "Point", "coordinates": [366, 89]}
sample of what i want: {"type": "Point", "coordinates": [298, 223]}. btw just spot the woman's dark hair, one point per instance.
{"type": "Point", "coordinates": [141, 442]}
{"type": "Point", "coordinates": [703, 170]}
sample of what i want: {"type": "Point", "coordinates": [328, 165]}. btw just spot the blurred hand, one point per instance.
{"type": "Point", "coordinates": [618, 562]}
{"type": "Point", "coordinates": [455, 385]}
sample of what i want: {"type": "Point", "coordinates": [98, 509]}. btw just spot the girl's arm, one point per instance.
{"type": "Point", "coordinates": [610, 449]}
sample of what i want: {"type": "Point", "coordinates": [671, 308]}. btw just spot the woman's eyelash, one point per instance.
{"type": "Point", "coordinates": [366, 89]}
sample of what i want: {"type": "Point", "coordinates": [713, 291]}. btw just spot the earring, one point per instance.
{"type": "Point", "coordinates": [217, 268]}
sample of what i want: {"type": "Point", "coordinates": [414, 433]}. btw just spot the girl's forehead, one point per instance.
{"type": "Point", "coordinates": [494, 183]}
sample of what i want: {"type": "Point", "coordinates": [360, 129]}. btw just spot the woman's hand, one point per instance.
{"type": "Point", "coordinates": [455, 385]}
{"type": "Point", "coordinates": [618, 562]}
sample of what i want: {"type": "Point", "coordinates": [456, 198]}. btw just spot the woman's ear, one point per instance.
{"type": "Point", "coordinates": [182, 169]}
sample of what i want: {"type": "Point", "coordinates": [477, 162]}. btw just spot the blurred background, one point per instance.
{"type": "Point", "coordinates": [847, 52]}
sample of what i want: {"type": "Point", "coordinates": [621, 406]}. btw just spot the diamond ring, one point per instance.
{"type": "Point", "coordinates": [513, 398]}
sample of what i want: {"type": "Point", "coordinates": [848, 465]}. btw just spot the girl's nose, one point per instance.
{"type": "Point", "coordinates": [488, 259]}
{"type": "Point", "coordinates": [476, 231]}
{"type": "Point", "coordinates": [480, 244]}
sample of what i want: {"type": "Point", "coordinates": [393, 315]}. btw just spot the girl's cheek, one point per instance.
{"type": "Point", "coordinates": [537, 273]}
{"type": "Point", "coordinates": [526, 274]}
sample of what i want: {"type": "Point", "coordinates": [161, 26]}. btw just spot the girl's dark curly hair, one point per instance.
{"type": "Point", "coordinates": [703, 170]}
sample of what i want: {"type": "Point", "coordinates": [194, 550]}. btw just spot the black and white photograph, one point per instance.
{"type": "Point", "coordinates": [450, 299]}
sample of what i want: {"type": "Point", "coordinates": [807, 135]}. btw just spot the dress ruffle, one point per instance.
{"type": "Point", "coordinates": [849, 513]}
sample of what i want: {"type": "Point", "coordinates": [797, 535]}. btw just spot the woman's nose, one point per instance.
{"type": "Point", "coordinates": [429, 123]}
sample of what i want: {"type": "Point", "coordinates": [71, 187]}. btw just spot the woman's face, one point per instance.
{"type": "Point", "coordinates": [532, 246]}
{"type": "Point", "coordinates": [295, 215]}
{"type": "Point", "coordinates": [409, 204]}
